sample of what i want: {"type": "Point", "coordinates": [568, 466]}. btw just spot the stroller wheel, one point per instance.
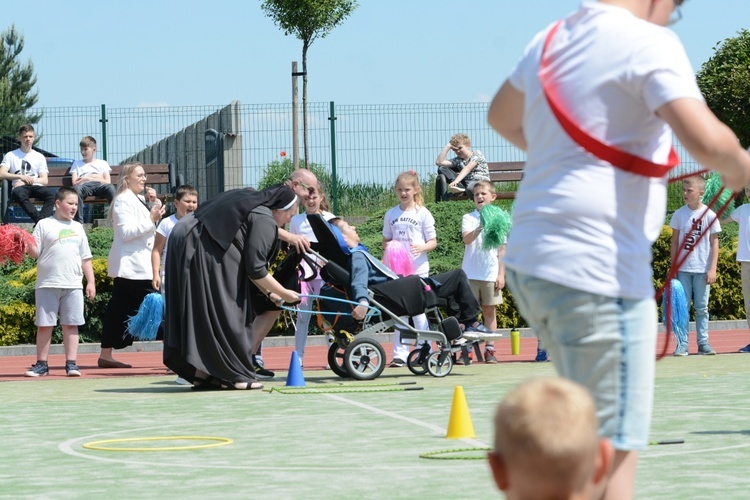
{"type": "Point", "coordinates": [437, 369]}
{"type": "Point", "coordinates": [336, 360]}
{"type": "Point", "coordinates": [415, 365]}
{"type": "Point", "coordinates": [364, 359]}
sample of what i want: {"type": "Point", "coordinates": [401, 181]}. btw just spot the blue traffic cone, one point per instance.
{"type": "Point", "coordinates": [295, 377]}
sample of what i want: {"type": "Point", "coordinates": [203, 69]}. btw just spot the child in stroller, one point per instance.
{"type": "Point", "coordinates": [368, 282]}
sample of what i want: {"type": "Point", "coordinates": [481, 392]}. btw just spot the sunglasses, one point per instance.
{"type": "Point", "coordinates": [676, 15]}
{"type": "Point", "coordinates": [310, 189]}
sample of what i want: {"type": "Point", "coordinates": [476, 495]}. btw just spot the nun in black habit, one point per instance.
{"type": "Point", "coordinates": [214, 255]}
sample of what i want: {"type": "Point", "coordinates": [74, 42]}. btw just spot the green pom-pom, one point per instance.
{"type": "Point", "coordinates": [713, 186]}
{"type": "Point", "coordinates": [496, 224]}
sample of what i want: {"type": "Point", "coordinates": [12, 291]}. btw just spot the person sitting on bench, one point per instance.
{"type": "Point", "coordinates": [365, 270]}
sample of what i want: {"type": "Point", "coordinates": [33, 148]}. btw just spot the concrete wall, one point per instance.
{"type": "Point", "coordinates": [186, 150]}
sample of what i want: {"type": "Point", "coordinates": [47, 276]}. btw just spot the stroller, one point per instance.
{"type": "Point", "coordinates": [355, 351]}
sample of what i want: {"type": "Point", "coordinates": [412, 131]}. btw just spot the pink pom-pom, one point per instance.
{"type": "Point", "coordinates": [13, 243]}
{"type": "Point", "coordinates": [398, 259]}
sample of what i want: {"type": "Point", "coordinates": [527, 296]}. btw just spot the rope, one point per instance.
{"type": "Point", "coordinates": [440, 454]}
{"type": "Point", "coordinates": [339, 390]}
{"type": "Point", "coordinates": [371, 310]}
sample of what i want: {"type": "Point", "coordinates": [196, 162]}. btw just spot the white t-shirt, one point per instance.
{"type": "Point", "coordinates": [32, 164]}
{"type": "Point", "coordinates": [478, 264]}
{"type": "Point", "coordinates": [165, 229]}
{"type": "Point", "coordinates": [411, 227]}
{"type": "Point", "coordinates": [682, 220]}
{"type": "Point", "coordinates": [578, 221]}
{"type": "Point", "coordinates": [62, 246]}
{"type": "Point", "coordinates": [741, 214]}
{"type": "Point", "coordinates": [300, 225]}
{"type": "Point", "coordinates": [98, 167]}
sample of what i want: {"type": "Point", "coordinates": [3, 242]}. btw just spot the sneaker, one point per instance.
{"type": "Point", "coordinates": [38, 369]}
{"type": "Point", "coordinates": [541, 355]}
{"type": "Point", "coordinates": [460, 358]}
{"type": "Point", "coordinates": [71, 369]}
{"type": "Point", "coordinates": [706, 350]}
{"type": "Point", "coordinates": [489, 356]}
{"type": "Point", "coordinates": [181, 381]}
{"type": "Point", "coordinates": [456, 189]}
{"type": "Point", "coordinates": [397, 363]}
{"type": "Point", "coordinates": [745, 349]}
{"type": "Point", "coordinates": [260, 372]}
{"type": "Point", "coordinates": [477, 327]}
{"type": "Point", "coordinates": [681, 350]}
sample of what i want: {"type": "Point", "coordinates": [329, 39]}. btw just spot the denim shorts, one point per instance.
{"type": "Point", "coordinates": [606, 344]}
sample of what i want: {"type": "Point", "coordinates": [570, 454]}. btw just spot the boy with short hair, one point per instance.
{"type": "Point", "coordinates": [462, 171]}
{"type": "Point", "coordinates": [550, 425]}
{"type": "Point", "coordinates": [185, 202]}
{"type": "Point", "coordinates": [27, 170]}
{"type": "Point", "coordinates": [64, 258]}
{"type": "Point", "coordinates": [741, 215]}
{"type": "Point", "coordinates": [90, 176]}
{"type": "Point", "coordinates": [698, 271]}
{"type": "Point", "coordinates": [484, 268]}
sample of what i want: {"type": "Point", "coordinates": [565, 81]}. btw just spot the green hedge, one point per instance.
{"type": "Point", "coordinates": [17, 281]}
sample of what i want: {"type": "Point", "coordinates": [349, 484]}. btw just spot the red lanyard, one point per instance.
{"type": "Point", "coordinates": [622, 160]}
{"type": "Point", "coordinates": [607, 152]}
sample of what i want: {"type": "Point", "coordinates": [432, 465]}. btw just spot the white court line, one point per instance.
{"type": "Point", "coordinates": [435, 428]}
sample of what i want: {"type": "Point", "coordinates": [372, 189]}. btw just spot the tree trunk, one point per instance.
{"type": "Point", "coordinates": [305, 46]}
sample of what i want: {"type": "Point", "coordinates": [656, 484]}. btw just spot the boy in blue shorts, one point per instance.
{"type": "Point", "coordinates": [64, 257]}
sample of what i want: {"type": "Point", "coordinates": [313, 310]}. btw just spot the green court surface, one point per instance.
{"type": "Point", "coordinates": [332, 443]}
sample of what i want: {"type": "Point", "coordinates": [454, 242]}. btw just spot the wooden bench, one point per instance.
{"type": "Point", "coordinates": [505, 173]}
{"type": "Point", "coordinates": [160, 176]}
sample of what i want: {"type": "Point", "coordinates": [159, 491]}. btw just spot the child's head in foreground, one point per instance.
{"type": "Point", "coordinates": [547, 444]}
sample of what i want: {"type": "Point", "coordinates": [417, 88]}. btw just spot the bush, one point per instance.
{"type": "Point", "coordinates": [17, 313]}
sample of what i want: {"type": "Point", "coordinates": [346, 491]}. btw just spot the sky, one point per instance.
{"type": "Point", "coordinates": [140, 53]}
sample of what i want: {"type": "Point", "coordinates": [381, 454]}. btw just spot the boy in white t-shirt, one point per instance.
{"type": "Point", "coordinates": [64, 258]}
{"type": "Point", "coordinates": [27, 170]}
{"type": "Point", "coordinates": [185, 202]}
{"type": "Point", "coordinates": [698, 271]}
{"type": "Point", "coordinates": [578, 260]}
{"type": "Point", "coordinates": [484, 268]}
{"type": "Point", "coordinates": [90, 176]}
{"type": "Point", "coordinates": [741, 215]}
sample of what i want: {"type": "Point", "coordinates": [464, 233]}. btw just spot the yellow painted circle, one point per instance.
{"type": "Point", "coordinates": [216, 441]}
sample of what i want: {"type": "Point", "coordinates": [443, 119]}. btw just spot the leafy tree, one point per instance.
{"type": "Point", "coordinates": [725, 82]}
{"type": "Point", "coordinates": [17, 81]}
{"type": "Point", "coordinates": [308, 20]}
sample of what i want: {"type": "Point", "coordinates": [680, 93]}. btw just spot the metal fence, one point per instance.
{"type": "Point", "coordinates": [373, 143]}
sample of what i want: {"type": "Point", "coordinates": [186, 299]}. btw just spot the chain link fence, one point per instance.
{"type": "Point", "coordinates": [364, 147]}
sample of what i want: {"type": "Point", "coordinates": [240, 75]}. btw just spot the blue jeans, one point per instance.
{"type": "Point", "coordinates": [98, 189]}
{"type": "Point", "coordinates": [697, 289]}
{"type": "Point", "coordinates": [606, 344]}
